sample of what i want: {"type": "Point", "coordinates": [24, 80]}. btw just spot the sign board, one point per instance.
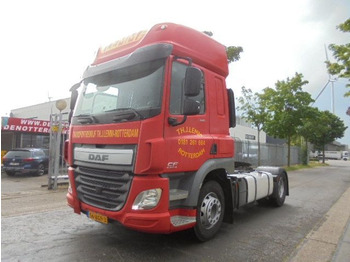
{"type": "Point", "coordinates": [249, 137]}
{"type": "Point", "coordinates": [27, 125]}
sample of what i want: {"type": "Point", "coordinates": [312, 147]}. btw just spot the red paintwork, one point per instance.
{"type": "Point", "coordinates": [160, 145]}
{"type": "Point", "coordinates": [204, 50]}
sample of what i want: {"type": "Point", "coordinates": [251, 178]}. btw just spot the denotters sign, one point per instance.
{"type": "Point", "coordinates": [25, 125]}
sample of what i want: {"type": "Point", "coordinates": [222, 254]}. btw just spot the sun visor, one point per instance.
{"type": "Point", "coordinates": [140, 55]}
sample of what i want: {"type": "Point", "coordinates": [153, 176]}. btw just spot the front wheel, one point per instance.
{"type": "Point", "coordinates": [10, 173]}
{"type": "Point", "coordinates": [210, 211]}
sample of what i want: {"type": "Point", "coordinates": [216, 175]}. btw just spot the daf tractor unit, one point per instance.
{"type": "Point", "coordinates": [149, 144]}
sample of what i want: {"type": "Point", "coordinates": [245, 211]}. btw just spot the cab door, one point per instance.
{"type": "Point", "coordinates": [186, 130]}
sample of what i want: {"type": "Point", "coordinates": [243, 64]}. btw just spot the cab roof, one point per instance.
{"type": "Point", "coordinates": [186, 42]}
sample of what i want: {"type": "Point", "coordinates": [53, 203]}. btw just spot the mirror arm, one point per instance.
{"type": "Point", "coordinates": [173, 121]}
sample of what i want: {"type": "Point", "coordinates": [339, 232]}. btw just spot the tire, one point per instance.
{"type": "Point", "coordinates": [10, 173]}
{"type": "Point", "coordinates": [210, 211]}
{"type": "Point", "coordinates": [279, 191]}
{"type": "Point", "coordinates": [41, 170]}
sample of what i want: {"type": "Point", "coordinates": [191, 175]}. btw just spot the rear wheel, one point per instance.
{"type": "Point", "coordinates": [210, 211]}
{"type": "Point", "coordinates": [280, 190]}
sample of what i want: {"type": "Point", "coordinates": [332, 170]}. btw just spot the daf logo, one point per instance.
{"type": "Point", "coordinates": [98, 157]}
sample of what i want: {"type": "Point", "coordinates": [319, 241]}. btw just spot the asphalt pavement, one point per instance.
{"type": "Point", "coordinates": [329, 240]}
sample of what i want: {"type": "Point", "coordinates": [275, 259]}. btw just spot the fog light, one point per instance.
{"type": "Point", "coordinates": [147, 199]}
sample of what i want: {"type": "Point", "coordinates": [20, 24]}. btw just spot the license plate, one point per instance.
{"type": "Point", "coordinates": [14, 164]}
{"type": "Point", "coordinates": [98, 217]}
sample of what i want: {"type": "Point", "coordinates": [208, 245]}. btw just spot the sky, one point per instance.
{"type": "Point", "coordinates": [46, 45]}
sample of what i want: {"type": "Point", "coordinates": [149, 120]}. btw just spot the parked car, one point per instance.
{"type": "Point", "coordinates": [26, 160]}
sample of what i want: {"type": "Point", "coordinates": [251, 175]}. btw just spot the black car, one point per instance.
{"type": "Point", "coordinates": [26, 160]}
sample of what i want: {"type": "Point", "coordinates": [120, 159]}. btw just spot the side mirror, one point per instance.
{"type": "Point", "coordinates": [192, 87]}
{"type": "Point", "coordinates": [73, 99]}
{"type": "Point", "coordinates": [193, 81]}
{"type": "Point", "coordinates": [74, 95]}
{"type": "Point", "coordinates": [191, 107]}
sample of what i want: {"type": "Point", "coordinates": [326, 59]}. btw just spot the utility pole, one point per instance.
{"type": "Point", "coordinates": [55, 144]}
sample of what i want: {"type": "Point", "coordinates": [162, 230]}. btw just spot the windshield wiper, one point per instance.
{"type": "Point", "coordinates": [86, 119]}
{"type": "Point", "coordinates": [126, 113]}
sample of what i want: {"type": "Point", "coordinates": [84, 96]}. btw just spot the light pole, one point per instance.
{"type": "Point", "coordinates": [55, 142]}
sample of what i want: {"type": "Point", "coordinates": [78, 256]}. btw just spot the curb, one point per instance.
{"type": "Point", "coordinates": [343, 250]}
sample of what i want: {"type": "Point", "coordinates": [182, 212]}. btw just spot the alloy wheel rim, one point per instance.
{"type": "Point", "coordinates": [210, 211]}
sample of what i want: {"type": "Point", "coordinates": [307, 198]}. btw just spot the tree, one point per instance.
{"type": "Point", "coordinates": [253, 112]}
{"type": "Point", "coordinates": [307, 130]}
{"type": "Point", "coordinates": [324, 129]}
{"type": "Point", "coordinates": [233, 52]}
{"type": "Point", "coordinates": [286, 106]}
{"type": "Point", "coordinates": [342, 55]}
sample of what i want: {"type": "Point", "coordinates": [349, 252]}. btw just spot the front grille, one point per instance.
{"type": "Point", "coordinates": [102, 188]}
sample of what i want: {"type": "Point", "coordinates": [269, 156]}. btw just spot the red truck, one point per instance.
{"type": "Point", "coordinates": [149, 144]}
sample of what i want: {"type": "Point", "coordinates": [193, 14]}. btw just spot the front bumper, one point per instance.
{"type": "Point", "coordinates": [157, 220]}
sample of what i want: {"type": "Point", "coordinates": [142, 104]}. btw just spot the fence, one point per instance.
{"type": "Point", "coordinates": [270, 154]}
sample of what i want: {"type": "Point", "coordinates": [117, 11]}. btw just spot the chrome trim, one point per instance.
{"type": "Point", "coordinates": [104, 156]}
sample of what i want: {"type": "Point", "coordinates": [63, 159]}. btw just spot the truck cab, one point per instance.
{"type": "Point", "coordinates": [149, 142]}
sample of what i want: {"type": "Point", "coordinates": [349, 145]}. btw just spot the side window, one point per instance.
{"type": "Point", "coordinates": [38, 154]}
{"type": "Point", "coordinates": [176, 90]}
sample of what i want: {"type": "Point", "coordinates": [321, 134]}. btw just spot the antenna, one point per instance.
{"type": "Point", "coordinates": [48, 96]}
{"type": "Point", "coordinates": [330, 80]}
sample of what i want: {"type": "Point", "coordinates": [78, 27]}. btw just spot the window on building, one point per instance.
{"type": "Point", "coordinates": [35, 140]}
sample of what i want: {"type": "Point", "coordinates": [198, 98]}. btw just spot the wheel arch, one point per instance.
{"type": "Point", "coordinates": [220, 176]}
{"type": "Point", "coordinates": [216, 170]}
{"type": "Point", "coordinates": [276, 172]}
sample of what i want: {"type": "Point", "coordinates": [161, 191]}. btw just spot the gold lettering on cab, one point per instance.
{"type": "Point", "coordinates": [124, 41]}
{"type": "Point", "coordinates": [109, 133]}
{"type": "Point", "coordinates": [193, 144]}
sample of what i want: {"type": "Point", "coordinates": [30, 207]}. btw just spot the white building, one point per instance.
{"type": "Point", "coordinates": [244, 131]}
{"type": "Point", "coordinates": [29, 126]}
{"type": "Point", "coordinates": [40, 111]}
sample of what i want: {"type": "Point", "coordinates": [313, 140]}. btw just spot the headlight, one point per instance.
{"type": "Point", "coordinates": [147, 199]}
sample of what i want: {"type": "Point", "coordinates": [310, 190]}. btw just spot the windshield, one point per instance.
{"type": "Point", "coordinates": [126, 94]}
